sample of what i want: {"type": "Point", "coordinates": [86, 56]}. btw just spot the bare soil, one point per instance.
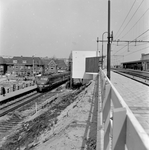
{"type": "Point", "coordinates": [26, 137]}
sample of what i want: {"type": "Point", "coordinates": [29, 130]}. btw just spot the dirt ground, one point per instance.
{"type": "Point", "coordinates": [76, 126]}
{"type": "Point", "coordinates": [67, 123]}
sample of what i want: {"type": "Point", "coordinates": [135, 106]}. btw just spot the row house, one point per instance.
{"type": "Point", "coordinates": [3, 66]}
{"type": "Point", "coordinates": [24, 65]}
{"type": "Point", "coordinates": [55, 66]}
{"type": "Point", "coordinates": [31, 65]}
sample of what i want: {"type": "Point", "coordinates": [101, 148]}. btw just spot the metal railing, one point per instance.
{"type": "Point", "coordinates": [121, 130]}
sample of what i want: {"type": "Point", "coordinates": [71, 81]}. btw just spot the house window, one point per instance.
{"type": "Point", "coordinates": [21, 67]}
{"type": "Point", "coordinates": [24, 61]}
{"type": "Point", "coordinates": [52, 63]}
{"type": "Point", "coordinates": [14, 61]}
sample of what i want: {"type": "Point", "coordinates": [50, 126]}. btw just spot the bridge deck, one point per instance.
{"type": "Point", "coordinates": [136, 95]}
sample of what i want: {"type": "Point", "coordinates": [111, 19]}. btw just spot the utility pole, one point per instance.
{"type": "Point", "coordinates": [97, 47]}
{"type": "Point", "coordinates": [108, 44]}
{"type": "Point", "coordinates": [102, 47]}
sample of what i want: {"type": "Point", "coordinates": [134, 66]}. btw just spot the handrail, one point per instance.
{"type": "Point", "coordinates": [122, 127]}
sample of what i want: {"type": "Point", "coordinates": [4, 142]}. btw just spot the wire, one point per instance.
{"type": "Point", "coordinates": [132, 40]}
{"type": "Point", "coordinates": [135, 23]}
{"type": "Point", "coordinates": [144, 37]}
{"type": "Point", "coordinates": [142, 34]}
{"type": "Point", "coordinates": [125, 17]}
{"type": "Point", "coordinates": [137, 50]}
{"type": "Point", "coordinates": [131, 17]}
{"type": "Point", "coordinates": [130, 45]}
{"type": "Point", "coordinates": [118, 44]}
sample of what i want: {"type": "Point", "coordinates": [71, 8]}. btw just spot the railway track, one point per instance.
{"type": "Point", "coordinates": [7, 126]}
{"type": "Point", "coordinates": [55, 101]}
{"type": "Point", "coordinates": [14, 104]}
{"type": "Point", "coordinates": [10, 112]}
{"type": "Point", "coordinates": [13, 117]}
{"type": "Point", "coordinates": [139, 76]}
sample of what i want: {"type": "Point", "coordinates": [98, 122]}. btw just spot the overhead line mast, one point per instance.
{"type": "Point", "coordinates": [108, 44]}
{"type": "Point", "coordinates": [110, 38]}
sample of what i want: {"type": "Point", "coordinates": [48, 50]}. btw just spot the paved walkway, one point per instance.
{"type": "Point", "coordinates": [136, 95]}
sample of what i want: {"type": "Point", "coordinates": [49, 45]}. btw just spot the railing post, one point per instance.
{"type": "Point", "coordinates": [119, 129]}
{"type": "Point", "coordinates": [126, 130]}
{"type": "Point", "coordinates": [106, 116]}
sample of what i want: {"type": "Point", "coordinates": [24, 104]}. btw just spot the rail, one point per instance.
{"type": "Point", "coordinates": [121, 130]}
{"type": "Point", "coordinates": [134, 73]}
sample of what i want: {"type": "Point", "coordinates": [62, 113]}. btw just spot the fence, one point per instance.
{"type": "Point", "coordinates": [121, 130]}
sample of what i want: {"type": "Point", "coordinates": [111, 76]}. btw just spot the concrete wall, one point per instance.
{"type": "Point", "coordinates": [78, 64]}
{"type": "Point", "coordinates": [145, 56]}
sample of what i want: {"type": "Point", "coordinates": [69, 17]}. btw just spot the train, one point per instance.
{"type": "Point", "coordinates": [45, 82]}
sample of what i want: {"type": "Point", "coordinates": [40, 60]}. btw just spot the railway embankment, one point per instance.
{"type": "Point", "coordinates": [68, 120]}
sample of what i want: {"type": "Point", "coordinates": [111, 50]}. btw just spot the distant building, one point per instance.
{"type": "Point", "coordinates": [142, 64]}
{"type": "Point", "coordinates": [20, 65]}
{"type": "Point", "coordinates": [144, 56]}
{"type": "Point", "coordinates": [2, 66]}
{"type": "Point", "coordinates": [145, 63]}
{"type": "Point", "coordinates": [116, 61]}
{"type": "Point", "coordinates": [55, 65]}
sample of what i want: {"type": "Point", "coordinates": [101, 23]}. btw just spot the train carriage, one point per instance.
{"type": "Point", "coordinates": [46, 81]}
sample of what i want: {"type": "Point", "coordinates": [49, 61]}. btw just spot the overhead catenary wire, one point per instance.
{"type": "Point", "coordinates": [135, 23]}
{"type": "Point", "coordinates": [117, 44]}
{"type": "Point", "coordinates": [131, 18]}
{"type": "Point", "coordinates": [142, 34]}
{"type": "Point", "coordinates": [132, 40]}
{"type": "Point", "coordinates": [145, 37]}
{"type": "Point", "coordinates": [125, 18]}
{"type": "Point", "coordinates": [137, 50]}
{"type": "Point", "coordinates": [130, 45]}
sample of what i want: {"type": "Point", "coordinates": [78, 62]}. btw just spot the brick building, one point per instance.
{"type": "Point", "coordinates": [55, 65]}
{"type": "Point", "coordinates": [2, 66]}
{"type": "Point", "coordinates": [20, 65]}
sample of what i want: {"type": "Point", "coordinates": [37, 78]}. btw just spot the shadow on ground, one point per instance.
{"type": "Point", "coordinates": [89, 138]}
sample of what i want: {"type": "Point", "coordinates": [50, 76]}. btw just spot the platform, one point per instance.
{"type": "Point", "coordinates": [17, 92]}
{"type": "Point", "coordinates": [136, 95]}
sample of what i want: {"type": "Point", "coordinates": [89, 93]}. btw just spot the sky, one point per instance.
{"type": "Point", "coordinates": [54, 28]}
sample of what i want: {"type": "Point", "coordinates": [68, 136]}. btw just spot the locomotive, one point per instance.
{"type": "Point", "coordinates": [45, 82]}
